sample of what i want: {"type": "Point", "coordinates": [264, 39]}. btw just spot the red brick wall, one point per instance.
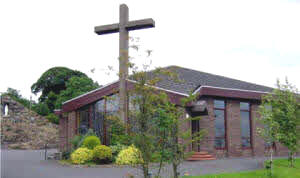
{"type": "Point", "coordinates": [233, 130]}
{"type": "Point", "coordinates": [63, 134]}
{"type": "Point", "coordinates": [208, 123]}
{"type": "Point", "coordinates": [184, 127]}
{"type": "Point", "coordinates": [71, 127]}
{"type": "Point", "coordinates": [67, 130]}
{"type": "Point", "coordinates": [257, 141]}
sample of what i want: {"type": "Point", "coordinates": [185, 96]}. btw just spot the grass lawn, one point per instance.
{"type": "Point", "coordinates": [281, 170]}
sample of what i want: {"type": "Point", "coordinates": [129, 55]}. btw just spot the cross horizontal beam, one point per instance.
{"type": "Point", "coordinates": [131, 25]}
{"type": "Point", "coordinates": [140, 24]}
{"type": "Point", "coordinates": [106, 29]}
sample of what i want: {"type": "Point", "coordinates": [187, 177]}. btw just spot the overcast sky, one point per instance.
{"type": "Point", "coordinates": [255, 41]}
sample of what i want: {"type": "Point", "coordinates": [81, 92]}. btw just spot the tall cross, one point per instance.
{"type": "Point", "coordinates": [123, 27]}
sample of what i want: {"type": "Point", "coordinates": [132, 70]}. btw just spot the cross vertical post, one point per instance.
{"type": "Point", "coordinates": [123, 27]}
{"type": "Point", "coordinates": [123, 60]}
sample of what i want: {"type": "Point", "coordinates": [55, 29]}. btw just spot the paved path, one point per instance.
{"type": "Point", "coordinates": [30, 164]}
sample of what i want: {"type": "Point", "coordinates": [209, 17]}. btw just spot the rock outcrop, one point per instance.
{"type": "Point", "coordinates": [25, 129]}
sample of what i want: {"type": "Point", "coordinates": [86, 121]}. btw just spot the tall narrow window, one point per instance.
{"type": "Point", "coordinates": [98, 123]}
{"type": "Point", "coordinates": [84, 123]}
{"type": "Point", "coordinates": [220, 131]}
{"type": "Point", "coordinates": [245, 124]}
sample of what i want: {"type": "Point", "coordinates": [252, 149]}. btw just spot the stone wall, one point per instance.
{"type": "Point", "coordinates": [15, 109]}
{"type": "Point", "coordinates": [25, 129]}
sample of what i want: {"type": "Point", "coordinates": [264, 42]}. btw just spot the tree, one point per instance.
{"type": "Point", "coordinates": [54, 79]}
{"type": "Point", "coordinates": [75, 86]}
{"type": "Point", "coordinates": [51, 100]}
{"type": "Point", "coordinates": [174, 141]}
{"type": "Point", "coordinates": [280, 114]}
{"type": "Point", "coordinates": [156, 121]}
{"type": "Point", "coordinates": [59, 84]}
{"type": "Point", "coordinates": [13, 92]}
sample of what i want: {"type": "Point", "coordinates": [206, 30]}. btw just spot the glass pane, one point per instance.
{"type": "Point", "coordinates": [219, 104]}
{"type": "Point", "coordinates": [99, 119]}
{"type": "Point", "coordinates": [245, 124]}
{"type": "Point", "coordinates": [219, 123]}
{"type": "Point", "coordinates": [220, 142]}
{"type": "Point", "coordinates": [112, 104]}
{"type": "Point", "coordinates": [83, 121]}
{"type": "Point", "coordinates": [244, 106]}
{"type": "Point", "coordinates": [133, 106]}
{"type": "Point", "coordinates": [246, 142]}
{"type": "Point", "coordinates": [245, 128]}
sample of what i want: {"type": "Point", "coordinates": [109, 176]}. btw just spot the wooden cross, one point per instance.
{"type": "Point", "coordinates": [123, 27]}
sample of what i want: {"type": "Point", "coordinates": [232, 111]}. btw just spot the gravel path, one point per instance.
{"type": "Point", "coordinates": [30, 164]}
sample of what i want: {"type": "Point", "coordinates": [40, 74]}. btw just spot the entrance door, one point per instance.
{"type": "Point", "coordinates": [195, 130]}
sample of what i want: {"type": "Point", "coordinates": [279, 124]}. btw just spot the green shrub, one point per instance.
{"type": "Point", "coordinates": [117, 148]}
{"type": "Point", "coordinates": [76, 141]}
{"type": "Point", "coordinates": [90, 142]}
{"type": "Point", "coordinates": [129, 156]}
{"type": "Point", "coordinates": [81, 156]}
{"type": "Point", "coordinates": [66, 155]}
{"type": "Point", "coordinates": [52, 118]}
{"type": "Point", "coordinates": [102, 153]}
{"type": "Point", "coordinates": [41, 109]}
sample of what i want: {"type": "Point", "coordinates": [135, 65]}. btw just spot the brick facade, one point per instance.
{"type": "Point", "coordinates": [233, 148]}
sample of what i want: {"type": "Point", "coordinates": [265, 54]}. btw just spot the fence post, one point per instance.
{"type": "Point", "coordinates": [46, 151]}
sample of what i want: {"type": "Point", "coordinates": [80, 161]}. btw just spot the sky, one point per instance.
{"type": "Point", "coordinates": [256, 41]}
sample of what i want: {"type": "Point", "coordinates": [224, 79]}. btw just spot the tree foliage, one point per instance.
{"type": "Point", "coordinates": [59, 84]}
{"type": "Point", "coordinates": [156, 121]}
{"type": "Point", "coordinates": [54, 80]}
{"type": "Point", "coordinates": [75, 86]}
{"type": "Point", "coordinates": [280, 114]}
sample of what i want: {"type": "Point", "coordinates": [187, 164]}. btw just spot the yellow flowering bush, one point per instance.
{"type": "Point", "coordinates": [102, 152]}
{"type": "Point", "coordinates": [81, 156]}
{"type": "Point", "coordinates": [129, 156]}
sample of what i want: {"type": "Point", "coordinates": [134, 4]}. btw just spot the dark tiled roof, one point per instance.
{"type": "Point", "coordinates": [190, 80]}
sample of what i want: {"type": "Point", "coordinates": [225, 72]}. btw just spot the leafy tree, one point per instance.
{"type": "Point", "coordinates": [51, 100]}
{"type": "Point", "coordinates": [280, 113]}
{"type": "Point", "coordinates": [75, 86]}
{"type": "Point", "coordinates": [144, 99]}
{"type": "Point", "coordinates": [54, 80]}
{"type": "Point", "coordinates": [174, 141]}
{"type": "Point", "coordinates": [52, 118]}
{"type": "Point", "coordinates": [13, 92]}
{"type": "Point", "coordinates": [41, 109]}
{"type": "Point", "coordinates": [156, 122]}
{"type": "Point", "coordinates": [59, 84]}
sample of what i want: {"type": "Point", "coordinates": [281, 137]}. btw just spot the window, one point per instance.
{"type": "Point", "coordinates": [112, 105]}
{"type": "Point", "coordinates": [220, 131]}
{"type": "Point", "coordinates": [84, 124]}
{"type": "Point", "coordinates": [98, 122]}
{"type": "Point", "coordinates": [245, 124]}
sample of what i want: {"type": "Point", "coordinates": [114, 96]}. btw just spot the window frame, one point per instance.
{"type": "Point", "coordinates": [250, 125]}
{"type": "Point", "coordinates": [225, 123]}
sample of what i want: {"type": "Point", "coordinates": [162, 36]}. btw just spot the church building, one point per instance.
{"type": "Point", "coordinates": [228, 107]}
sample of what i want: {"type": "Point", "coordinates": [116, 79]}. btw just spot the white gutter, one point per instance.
{"type": "Point", "coordinates": [206, 86]}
